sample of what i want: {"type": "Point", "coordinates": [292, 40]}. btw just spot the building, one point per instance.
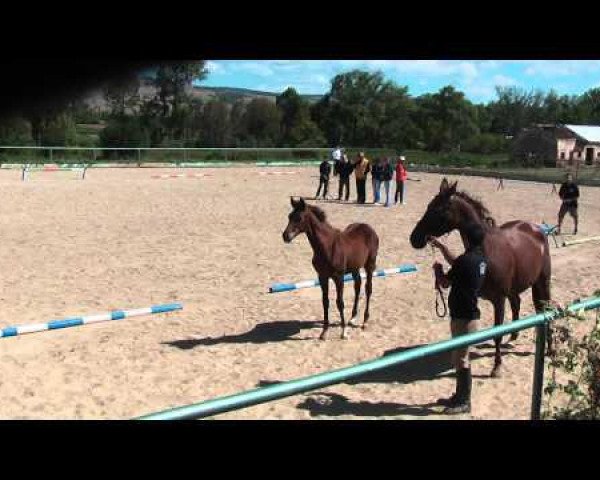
{"type": "Point", "coordinates": [558, 145]}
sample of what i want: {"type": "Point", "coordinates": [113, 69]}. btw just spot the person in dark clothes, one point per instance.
{"type": "Point", "coordinates": [344, 170]}
{"type": "Point", "coordinates": [466, 277]}
{"type": "Point", "coordinates": [376, 171]}
{"type": "Point", "coordinates": [569, 194]}
{"type": "Point", "coordinates": [324, 172]}
{"type": "Point", "coordinates": [387, 173]}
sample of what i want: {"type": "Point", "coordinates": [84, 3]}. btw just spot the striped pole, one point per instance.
{"type": "Point", "coordinates": [181, 175]}
{"type": "Point", "coordinates": [386, 272]}
{"type": "Point", "coordinates": [568, 243]}
{"type": "Point", "coordinates": [78, 321]}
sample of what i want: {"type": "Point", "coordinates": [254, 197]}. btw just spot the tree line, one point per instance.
{"type": "Point", "coordinates": [361, 109]}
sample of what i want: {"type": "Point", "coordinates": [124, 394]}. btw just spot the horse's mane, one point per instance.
{"type": "Point", "coordinates": [320, 214]}
{"type": "Point", "coordinates": [479, 207]}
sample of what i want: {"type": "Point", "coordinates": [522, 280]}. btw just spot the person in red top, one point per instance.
{"type": "Point", "coordinates": [401, 177]}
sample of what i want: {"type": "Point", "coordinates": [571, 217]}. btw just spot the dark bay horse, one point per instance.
{"type": "Point", "coordinates": [518, 253]}
{"type": "Point", "coordinates": [336, 253]}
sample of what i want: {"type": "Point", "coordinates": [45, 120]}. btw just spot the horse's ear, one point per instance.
{"type": "Point", "coordinates": [301, 204]}
{"type": "Point", "coordinates": [444, 185]}
{"type": "Point", "coordinates": [453, 187]}
{"type": "Point", "coordinates": [293, 202]}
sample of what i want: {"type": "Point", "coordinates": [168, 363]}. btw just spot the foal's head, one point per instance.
{"type": "Point", "coordinates": [298, 219]}
{"type": "Point", "coordinates": [447, 211]}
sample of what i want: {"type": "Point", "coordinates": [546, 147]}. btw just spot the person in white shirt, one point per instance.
{"type": "Point", "coordinates": [336, 154]}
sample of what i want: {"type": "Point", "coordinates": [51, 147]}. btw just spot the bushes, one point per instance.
{"type": "Point", "coordinates": [485, 143]}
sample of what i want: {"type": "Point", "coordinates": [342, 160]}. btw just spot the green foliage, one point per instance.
{"type": "Point", "coordinates": [573, 387]}
{"type": "Point", "coordinates": [125, 132]}
{"type": "Point", "coordinates": [485, 143]}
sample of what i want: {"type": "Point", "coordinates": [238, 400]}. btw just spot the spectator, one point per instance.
{"type": "Point", "coordinates": [324, 172]}
{"type": "Point", "coordinates": [376, 179]}
{"type": "Point", "coordinates": [387, 173]}
{"type": "Point", "coordinates": [344, 170]}
{"type": "Point", "coordinates": [401, 177]}
{"type": "Point", "coordinates": [569, 194]}
{"type": "Point", "coordinates": [361, 169]}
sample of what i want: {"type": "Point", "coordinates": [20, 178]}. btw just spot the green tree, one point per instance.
{"type": "Point", "coordinates": [446, 118]}
{"type": "Point", "coordinates": [122, 95]}
{"type": "Point", "coordinates": [215, 125]}
{"type": "Point", "coordinates": [261, 123]}
{"type": "Point", "coordinates": [297, 127]}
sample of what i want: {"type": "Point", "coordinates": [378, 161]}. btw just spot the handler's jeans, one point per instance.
{"type": "Point", "coordinates": [459, 326]}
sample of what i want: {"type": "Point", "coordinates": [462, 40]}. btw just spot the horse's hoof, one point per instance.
{"type": "Point", "coordinates": [352, 322]}
{"type": "Point", "coordinates": [323, 336]}
{"type": "Point", "coordinates": [514, 336]}
{"type": "Point", "coordinates": [344, 335]}
{"type": "Point", "coordinates": [364, 327]}
{"type": "Point", "coordinates": [496, 373]}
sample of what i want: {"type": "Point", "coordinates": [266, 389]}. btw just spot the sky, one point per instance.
{"type": "Point", "coordinates": [477, 79]}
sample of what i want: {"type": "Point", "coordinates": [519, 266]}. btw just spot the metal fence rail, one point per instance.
{"type": "Point", "coordinates": [312, 382]}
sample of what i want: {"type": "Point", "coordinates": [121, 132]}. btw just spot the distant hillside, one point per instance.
{"type": "Point", "coordinates": [233, 94]}
{"type": "Point", "coordinates": [227, 94]}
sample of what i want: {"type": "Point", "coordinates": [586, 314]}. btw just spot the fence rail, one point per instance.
{"type": "Point", "coordinates": [306, 384]}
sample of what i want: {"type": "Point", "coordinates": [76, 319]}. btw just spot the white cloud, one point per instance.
{"type": "Point", "coordinates": [553, 68]}
{"type": "Point", "coordinates": [215, 68]}
{"type": "Point", "coordinates": [504, 81]}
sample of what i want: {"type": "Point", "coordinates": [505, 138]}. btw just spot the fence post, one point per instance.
{"type": "Point", "coordinates": [538, 371]}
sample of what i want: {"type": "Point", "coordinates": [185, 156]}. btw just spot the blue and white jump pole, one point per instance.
{"type": "Point", "coordinates": [386, 272]}
{"type": "Point", "coordinates": [78, 321]}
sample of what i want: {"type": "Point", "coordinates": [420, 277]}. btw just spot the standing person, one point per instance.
{"type": "Point", "coordinates": [324, 172]}
{"type": "Point", "coordinates": [466, 277]}
{"type": "Point", "coordinates": [387, 173]}
{"type": "Point", "coordinates": [361, 169]}
{"type": "Point", "coordinates": [344, 170]}
{"type": "Point", "coordinates": [336, 155]}
{"type": "Point", "coordinates": [401, 177]}
{"type": "Point", "coordinates": [568, 193]}
{"type": "Point", "coordinates": [376, 179]}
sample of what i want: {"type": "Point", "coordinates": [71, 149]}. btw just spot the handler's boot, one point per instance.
{"type": "Point", "coordinates": [462, 401]}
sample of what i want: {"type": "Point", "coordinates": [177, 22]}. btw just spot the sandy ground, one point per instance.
{"type": "Point", "coordinates": [121, 239]}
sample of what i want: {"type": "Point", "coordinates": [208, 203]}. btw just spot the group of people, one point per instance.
{"type": "Point", "coordinates": [382, 173]}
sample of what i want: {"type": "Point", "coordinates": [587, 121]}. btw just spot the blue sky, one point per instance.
{"type": "Point", "coordinates": [476, 78]}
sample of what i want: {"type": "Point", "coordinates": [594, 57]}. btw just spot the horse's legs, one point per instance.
{"type": "Point", "coordinates": [339, 286]}
{"type": "Point", "coordinates": [499, 307]}
{"type": "Point", "coordinates": [324, 282]}
{"type": "Point", "coordinates": [357, 285]}
{"type": "Point", "coordinates": [369, 267]}
{"type": "Point", "coordinates": [515, 306]}
{"type": "Point", "coordinates": [541, 297]}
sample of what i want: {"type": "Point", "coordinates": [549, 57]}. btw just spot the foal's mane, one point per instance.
{"type": "Point", "coordinates": [320, 214]}
{"type": "Point", "coordinates": [479, 207]}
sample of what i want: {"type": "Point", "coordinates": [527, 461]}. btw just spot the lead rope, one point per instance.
{"type": "Point", "coordinates": [439, 294]}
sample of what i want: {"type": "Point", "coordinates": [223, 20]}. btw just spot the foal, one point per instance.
{"type": "Point", "coordinates": [336, 253]}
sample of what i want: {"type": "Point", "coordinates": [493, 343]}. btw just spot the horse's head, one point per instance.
{"type": "Point", "coordinates": [440, 217]}
{"type": "Point", "coordinates": [297, 220]}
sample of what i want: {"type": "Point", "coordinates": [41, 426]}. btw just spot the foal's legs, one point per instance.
{"type": "Point", "coordinates": [369, 267]}
{"type": "Point", "coordinates": [515, 306]}
{"type": "Point", "coordinates": [324, 282]}
{"type": "Point", "coordinates": [499, 308]}
{"type": "Point", "coordinates": [339, 286]}
{"type": "Point", "coordinates": [357, 285]}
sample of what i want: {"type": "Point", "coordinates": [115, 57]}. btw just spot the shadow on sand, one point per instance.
{"type": "Point", "coordinates": [428, 368]}
{"type": "Point", "coordinates": [279, 331]}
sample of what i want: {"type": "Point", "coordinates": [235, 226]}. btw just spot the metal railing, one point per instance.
{"type": "Point", "coordinates": [312, 382]}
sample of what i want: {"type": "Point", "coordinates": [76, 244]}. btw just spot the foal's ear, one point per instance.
{"type": "Point", "coordinates": [444, 185]}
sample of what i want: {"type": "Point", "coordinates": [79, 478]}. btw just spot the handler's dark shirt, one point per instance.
{"type": "Point", "coordinates": [466, 278]}
{"type": "Point", "coordinates": [325, 170]}
{"type": "Point", "coordinates": [344, 169]}
{"type": "Point", "coordinates": [569, 193]}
